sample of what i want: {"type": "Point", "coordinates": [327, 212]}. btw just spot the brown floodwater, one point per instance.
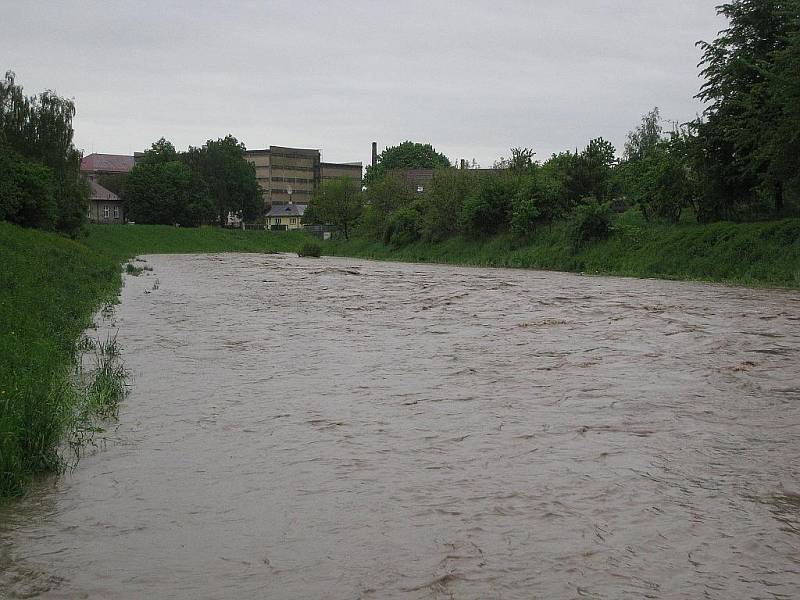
{"type": "Point", "coordinates": [339, 428]}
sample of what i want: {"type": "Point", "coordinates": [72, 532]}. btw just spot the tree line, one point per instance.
{"type": "Point", "coordinates": [197, 187]}
{"type": "Point", "coordinates": [739, 161]}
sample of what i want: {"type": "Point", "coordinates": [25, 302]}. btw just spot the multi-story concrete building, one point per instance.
{"type": "Point", "coordinates": [290, 175]}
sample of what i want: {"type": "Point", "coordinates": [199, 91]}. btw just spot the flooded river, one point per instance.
{"type": "Point", "coordinates": [347, 429]}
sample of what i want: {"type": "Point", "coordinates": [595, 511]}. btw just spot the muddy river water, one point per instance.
{"type": "Point", "coordinates": [339, 428]}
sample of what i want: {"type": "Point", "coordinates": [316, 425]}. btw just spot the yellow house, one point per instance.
{"type": "Point", "coordinates": [285, 216]}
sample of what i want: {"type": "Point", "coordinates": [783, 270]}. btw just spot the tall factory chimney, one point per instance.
{"type": "Point", "coordinates": [374, 154]}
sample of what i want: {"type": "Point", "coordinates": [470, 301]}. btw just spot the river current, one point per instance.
{"type": "Point", "coordinates": [339, 428]}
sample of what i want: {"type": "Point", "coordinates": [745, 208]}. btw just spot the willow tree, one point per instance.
{"type": "Point", "coordinates": [38, 130]}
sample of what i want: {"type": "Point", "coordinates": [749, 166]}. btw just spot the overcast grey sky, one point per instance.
{"type": "Point", "coordinates": [472, 77]}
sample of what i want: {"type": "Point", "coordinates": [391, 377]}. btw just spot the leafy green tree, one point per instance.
{"type": "Point", "coordinates": [337, 202]}
{"type": "Point", "coordinates": [27, 191]}
{"type": "Point", "coordinates": [745, 68]}
{"type": "Point", "coordinates": [520, 160]}
{"type": "Point", "coordinates": [539, 200]}
{"type": "Point", "coordinates": [408, 155]}
{"type": "Point", "coordinates": [488, 207]}
{"type": "Point", "coordinates": [591, 172]}
{"type": "Point", "coordinates": [39, 130]}
{"type": "Point", "coordinates": [443, 202]}
{"type": "Point", "coordinates": [162, 189]}
{"type": "Point", "coordinates": [383, 198]}
{"type": "Point", "coordinates": [230, 178]}
{"type": "Point", "coordinates": [404, 226]}
{"type": "Point", "coordinates": [643, 140]}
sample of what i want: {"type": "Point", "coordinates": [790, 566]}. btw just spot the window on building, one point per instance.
{"type": "Point", "coordinates": [293, 220]}
{"type": "Point", "coordinates": [277, 220]}
{"type": "Point", "coordinates": [420, 189]}
{"type": "Point", "coordinates": [105, 211]}
{"type": "Point", "coordinates": [116, 212]}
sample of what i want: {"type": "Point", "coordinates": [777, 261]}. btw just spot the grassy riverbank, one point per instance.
{"type": "Point", "coordinates": [50, 288]}
{"type": "Point", "coordinates": [752, 254]}
{"type": "Point", "coordinates": [125, 241]}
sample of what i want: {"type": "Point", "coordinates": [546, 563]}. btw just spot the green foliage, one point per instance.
{"type": "Point", "coordinates": [404, 227]}
{"type": "Point", "coordinates": [756, 254]}
{"type": "Point", "coordinates": [590, 221]}
{"type": "Point", "coordinates": [487, 209]}
{"type": "Point", "coordinates": [310, 249]}
{"type": "Point", "coordinates": [644, 140]}
{"type": "Point", "coordinates": [124, 241]}
{"type": "Point", "coordinates": [51, 286]}
{"type": "Point", "coordinates": [229, 177]}
{"type": "Point", "coordinates": [338, 202]}
{"type": "Point", "coordinates": [161, 189]}
{"type": "Point", "coordinates": [591, 172]}
{"type": "Point", "coordinates": [751, 76]}
{"type": "Point", "coordinates": [383, 198]}
{"type": "Point", "coordinates": [40, 178]}
{"type": "Point", "coordinates": [443, 202]}
{"type": "Point", "coordinates": [408, 155]}
{"type": "Point", "coordinates": [659, 174]}
{"type": "Point", "coordinates": [27, 191]}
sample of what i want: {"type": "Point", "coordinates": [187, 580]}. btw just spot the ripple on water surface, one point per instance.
{"type": "Point", "coordinates": [347, 429]}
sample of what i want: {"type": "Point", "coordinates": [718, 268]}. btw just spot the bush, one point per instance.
{"type": "Point", "coordinates": [403, 228]}
{"type": "Point", "coordinates": [590, 221]}
{"type": "Point", "coordinates": [312, 249]}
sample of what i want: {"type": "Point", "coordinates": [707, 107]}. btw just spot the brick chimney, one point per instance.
{"type": "Point", "coordinates": [374, 154]}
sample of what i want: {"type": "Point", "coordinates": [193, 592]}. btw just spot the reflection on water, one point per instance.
{"type": "Point", "coordinates": [346, 429]}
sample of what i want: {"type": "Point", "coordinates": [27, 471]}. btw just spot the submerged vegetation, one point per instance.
{"type": "Point", "coordinates": [51, 286]}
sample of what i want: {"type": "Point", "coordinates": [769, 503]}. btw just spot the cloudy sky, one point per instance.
{"type": "Point", "coordinates": [472, 77]}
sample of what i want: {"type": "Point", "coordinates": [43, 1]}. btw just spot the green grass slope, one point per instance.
{"type": "Point", "coordinates": [753, 254]}
{"type": "Point", "coordinates": [49, 288]}
{"type": "Point", "coordinates": [125, 241]}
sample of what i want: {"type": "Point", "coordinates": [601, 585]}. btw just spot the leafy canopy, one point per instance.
{"type": "Point", "coordinates": [408, 155]}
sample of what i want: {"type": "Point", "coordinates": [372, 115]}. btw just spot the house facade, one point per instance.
{"type": "Point", "coordinates": [104, 205]}
{"type": "Point", "coordinates": [285, 216]}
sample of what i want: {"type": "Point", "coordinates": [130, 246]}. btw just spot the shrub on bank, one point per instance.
{"type": "Point", "coordinates": [310, 249]}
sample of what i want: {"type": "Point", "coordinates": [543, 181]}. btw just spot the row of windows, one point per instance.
{"type": "Point", "coordinates": [293, 167]}
{"type": "Point", "coordinates": [106, 212]}
{"type": "Point", "coordinates": [292, 220]}
{"type": "Point", "coordinates": [293, 179]}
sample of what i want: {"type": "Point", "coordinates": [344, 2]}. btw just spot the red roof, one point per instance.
{"type": "Point", "coordinates": [107, 163]}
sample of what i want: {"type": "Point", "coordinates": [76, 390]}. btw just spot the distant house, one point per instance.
{"type": "Point", "coordinates": [285, 216]}
{"type": "Point", "coordinates": [104, 205]}
{"type": "Point", "coordinates": [418, 179]}
{"type": "Point", "coordinates": [102, 164]}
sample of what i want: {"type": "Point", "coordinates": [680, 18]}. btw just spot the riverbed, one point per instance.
{"type": "Point", "coordinates": [340, 428]}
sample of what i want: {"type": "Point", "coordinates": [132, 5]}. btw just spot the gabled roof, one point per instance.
{"type": "Point", "coordinates": [287, 210]}
{"type": "Point", "coordinates": [108, 163]}
{"type": "Point", "coordinates": [98, 192]}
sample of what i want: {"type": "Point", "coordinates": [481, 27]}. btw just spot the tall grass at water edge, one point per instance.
{"type": "Point", "coordinates": [765, 254]}
{"type": "Point", "coordinates": [49, 288]}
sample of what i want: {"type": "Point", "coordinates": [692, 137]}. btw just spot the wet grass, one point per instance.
{"type": "Point", "coordinates": [50, 286]}
{"type": "Point", "coordinates": [752, 254]}
{"type": "Point", "coordinates": [125, 241]}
